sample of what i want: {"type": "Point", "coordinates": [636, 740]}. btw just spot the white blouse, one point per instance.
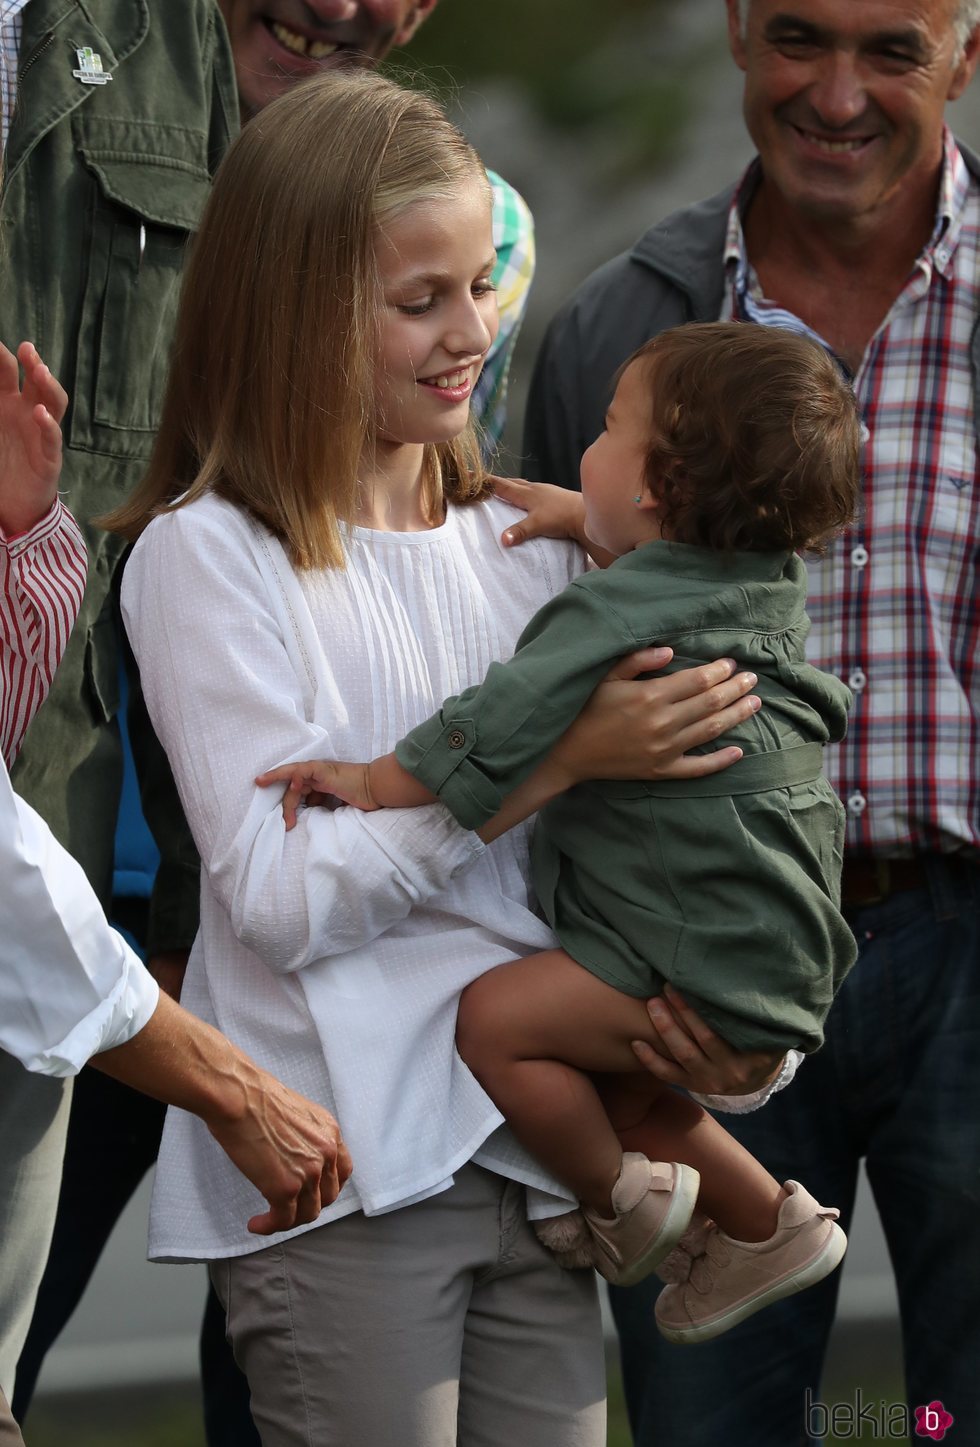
{"type": "Point", "coordinates": [334, 954]}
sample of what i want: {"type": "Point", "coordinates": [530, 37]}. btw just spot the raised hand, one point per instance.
{"type": "Point", "coordinates": [30, 439]}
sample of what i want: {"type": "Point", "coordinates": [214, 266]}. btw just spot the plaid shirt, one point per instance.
{"type": "Point", "coordinates": [513, 236]}
{"type": "Point", "coordinates": [10, 28]}
{"type": "Point", "coordinates": [895, 602]}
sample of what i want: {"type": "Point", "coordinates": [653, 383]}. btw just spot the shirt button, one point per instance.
{"type": "Point", "coordinates": [860, 556]}
{"type": "Point", "coordinates": [856, 679]}
{"type": "Point", "coordinates": [456, 739]}
{"type": "Point", "coordinates": [856, 803]}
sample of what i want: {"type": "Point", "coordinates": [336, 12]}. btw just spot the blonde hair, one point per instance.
{"type": "Point", "coordinates": [270, 396]}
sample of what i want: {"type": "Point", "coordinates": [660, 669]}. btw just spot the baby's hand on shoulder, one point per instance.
{"type": "Point", "coordinates": [552, 512]}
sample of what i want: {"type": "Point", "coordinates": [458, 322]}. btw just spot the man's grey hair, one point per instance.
{"type": "Point", "coordinates": [965, 21]}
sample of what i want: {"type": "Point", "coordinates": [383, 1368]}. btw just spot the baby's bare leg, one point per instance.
{"type": "Point", "coordinates": [534, 1031]}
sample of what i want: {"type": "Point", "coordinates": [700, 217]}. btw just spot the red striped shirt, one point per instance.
{"type": "Point", "coordinates": [42, 579]}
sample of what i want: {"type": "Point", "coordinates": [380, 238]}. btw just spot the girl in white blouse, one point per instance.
{"type": "Point", "coordinates": [323, 565]}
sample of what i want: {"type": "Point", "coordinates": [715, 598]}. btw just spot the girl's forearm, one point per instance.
{"type": "Point", "coordinates": [548, 781]}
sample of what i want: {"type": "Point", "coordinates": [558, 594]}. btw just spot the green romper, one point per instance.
{"type": "Point", "coordinates": [727, 886]}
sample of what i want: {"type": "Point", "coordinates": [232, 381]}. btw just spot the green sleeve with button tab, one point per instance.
{"type": "Point", "coordinates": [484, 742]}
{"type": "Point", "coordinates": [703, 604]}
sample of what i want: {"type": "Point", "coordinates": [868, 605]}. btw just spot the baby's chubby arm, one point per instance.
{"type": "Point", "coordinates": [380, 784]}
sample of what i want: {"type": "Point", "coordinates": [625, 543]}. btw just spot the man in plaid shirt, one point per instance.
{"type": "Point", "coordinates": [858, 224]}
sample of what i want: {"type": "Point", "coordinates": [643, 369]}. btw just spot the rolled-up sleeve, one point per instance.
{"type": "Point", "coordinates": [484, 742]}
{"type": "Point", "coordinates": [69, 984]}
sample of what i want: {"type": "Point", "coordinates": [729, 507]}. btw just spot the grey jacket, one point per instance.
{"type": "Point", "coordinates": [674, 274]}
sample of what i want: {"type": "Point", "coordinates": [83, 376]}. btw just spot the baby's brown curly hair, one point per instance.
{"type": "Point", "coordinates": [756, 438]}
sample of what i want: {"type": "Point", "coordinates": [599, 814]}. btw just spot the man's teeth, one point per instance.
{"type": "Point", "coordinates": [834, 148]}
{"type": "Point", "coordinates": [300, 45]}
{"type": "Point", "coordinates": [451, 379]}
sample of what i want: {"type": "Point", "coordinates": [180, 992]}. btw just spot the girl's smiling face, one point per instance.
{"type": "Point", "coordinates": [438, 318]}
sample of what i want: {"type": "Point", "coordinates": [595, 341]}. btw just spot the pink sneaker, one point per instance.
{"type": "Point", "coordinates": [732, 1279]}
{"type": "Point", "coordinates": [652, 1204]}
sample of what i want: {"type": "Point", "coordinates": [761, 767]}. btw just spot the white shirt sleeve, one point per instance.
{"type": "Point", "coordinates": [69, 985]}
{"type": "Point", "coordinates": [227, 697]}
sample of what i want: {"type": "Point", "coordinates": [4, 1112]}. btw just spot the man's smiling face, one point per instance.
{"type": "Point", "coordinates": [279, 42]}
{"type": "Point", "coordinates": [844, 99]}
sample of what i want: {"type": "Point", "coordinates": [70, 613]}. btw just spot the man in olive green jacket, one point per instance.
{"type": "Point", "coordinates": [104, 183]}
{"type": "Point", "coordinates": [105, 178]}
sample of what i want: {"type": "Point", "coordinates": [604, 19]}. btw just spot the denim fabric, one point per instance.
{"type": "Point", "coordinates": [897, 1083]}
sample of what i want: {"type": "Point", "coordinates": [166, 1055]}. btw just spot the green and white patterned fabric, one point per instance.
{"type": "Point", "coordinates": [513, 236]}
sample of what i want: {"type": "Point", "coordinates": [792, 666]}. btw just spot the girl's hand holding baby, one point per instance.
{"type": "Point", "coordinates": [30, 439]}
{"type": "Point", "coordinates": [688, 1053]}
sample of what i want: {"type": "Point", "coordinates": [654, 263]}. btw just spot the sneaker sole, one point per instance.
{"type": "Point", "coordinates": [683, 1199]}
{"type": "Point", "coordinates": [829, 1258]}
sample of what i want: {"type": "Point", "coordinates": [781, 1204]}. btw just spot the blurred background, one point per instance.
{"type": "Point", "coordinates": [606, 117]}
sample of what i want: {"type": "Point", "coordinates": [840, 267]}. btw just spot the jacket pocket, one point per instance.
{"type": "Point", "coordinates": [102, 667]}
{"type": "Point", "coordinates": [150, 185]}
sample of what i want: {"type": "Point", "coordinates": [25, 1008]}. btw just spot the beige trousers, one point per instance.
{"type": "Point", "coordinates": [9, 1431]}
{"type": "Point", "coordinates": [33, 1124]}
{"type": "Point", "coordinates": [443, 1324]}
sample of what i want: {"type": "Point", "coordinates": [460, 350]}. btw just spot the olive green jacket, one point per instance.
{"type": "Point", "coordinates": [103, 185]}
{"type": "Point", "coordinates": [728, 886]}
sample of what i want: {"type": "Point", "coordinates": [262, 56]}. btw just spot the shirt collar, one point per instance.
{"type": "Point", "coordinates": [938, 252]}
